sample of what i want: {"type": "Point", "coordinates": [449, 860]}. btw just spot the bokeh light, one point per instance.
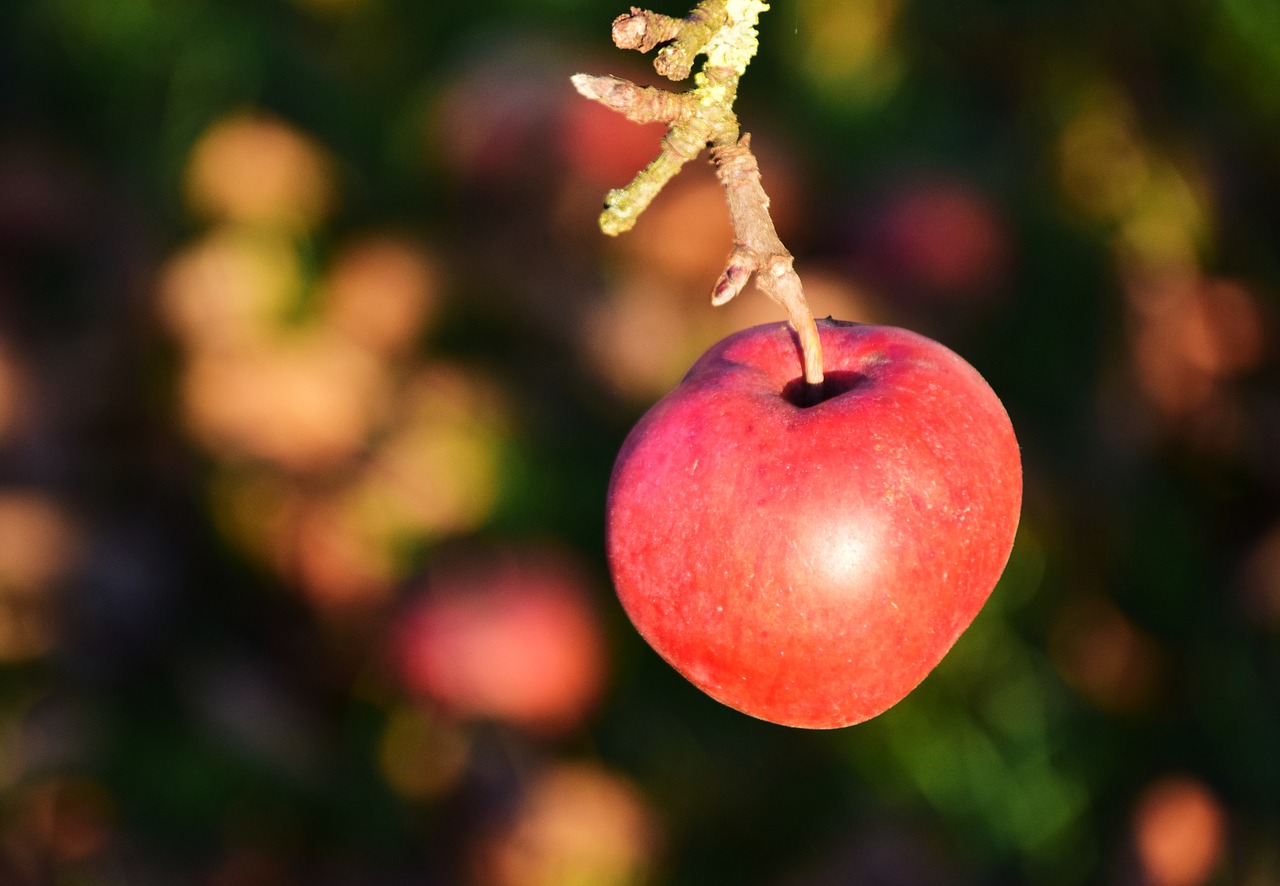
{"type": "Point", "coordinates": [422, 755]}
{"type": "Point", "coordinates": [65, 820]}
{"type": "Point", "coordinates": [306, 404]}
{"type": "Point", "coordinates": [252, 168]}
{"type": "Point", "coordinates": [381, 293]}
{"type": "Point", "coordinates": [849, 52]}
{"type": "Point", "coordinates": [509, 635]}
{"type": "Point", "coordinates": [936, 239]}
{"type": "Point", "coordinates": [11, 385]}
{"type": "Point", "coordinates": [1191, 337]}
{"type": "Point", "coordinates": [575, 823]}
{"type": "Point", "coordinates": [37, 549]}
{"type": "Point", "coordinates": [1102, 655]}
{"type": "Point", "coordinates": [1179, 832]}
{"type": "Point", "coordinates": [604, 149]}
{"type": "Point", "coordinates": [1260, 576]}
{"type": "Point", "coordinates": [231, 289]}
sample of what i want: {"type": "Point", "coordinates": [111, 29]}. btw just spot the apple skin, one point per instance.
{"type": "Point", "coordinates": [811, 565]}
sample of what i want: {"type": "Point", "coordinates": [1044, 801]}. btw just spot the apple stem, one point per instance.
{"type": "Point", "coordinates": [725, 32]}
{"type": "Point", "coordinates": [757, 249]}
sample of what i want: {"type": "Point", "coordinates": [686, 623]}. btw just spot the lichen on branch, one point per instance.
{"type": "Point", "coordinates": [722, 30]}
{"type": "Point", "coordinates": [724, 33]}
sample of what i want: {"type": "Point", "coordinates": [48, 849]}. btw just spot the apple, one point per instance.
{"type": "Point", "coordinates": [507, 634]}
{"type": "Point", "coordinates": [810, 565]}
{"type": "Point", "coordinates": [936, 241]}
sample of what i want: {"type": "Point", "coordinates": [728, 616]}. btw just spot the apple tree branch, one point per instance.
{"type": "Point", "coordinates": [724, 32]}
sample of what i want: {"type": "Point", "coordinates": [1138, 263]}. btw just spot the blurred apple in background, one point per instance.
{"type": "Point", "coordinates": [939, 244]}
{"type": "Point", "coordinates": [307, 404]}
{"type": "Point", "coordinates": [508, 635]}
{"type": "Point", "coordinates": [1179, 832]}
{"type": "Point", "coordinates": [574, 823]}
{"type": "Point", "coordinates": [382, 292]}
{"type": "Point", "coordinates": [256, 169]}
{"type": "Point", "coordinates": [1104, 656]}
{"type": "Point", "coordinates": [230, 289]}
{"type": "Point", "coordinates": [487, 128]}
{"type": "Point", "coordinates": [38, 548]}
{"type": "Point", "coordinates": [602, 148]}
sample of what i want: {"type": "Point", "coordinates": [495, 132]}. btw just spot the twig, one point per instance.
{"type": "Point", "coordinates": [725, 32]}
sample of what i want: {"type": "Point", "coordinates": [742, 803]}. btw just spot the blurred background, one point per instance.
{"type": "Point", "coordinates": [313, 365]}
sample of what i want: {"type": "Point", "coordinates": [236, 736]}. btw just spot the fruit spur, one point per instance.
{"type": "Point", "coordinates": [806, 524]}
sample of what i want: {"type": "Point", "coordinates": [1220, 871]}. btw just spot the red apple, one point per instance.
{"type": "Point", "coordinates": [937, 241]}
{"type": "Point", "coordinates": [506, 634]}
{"type": "Point", "coordinates": [811, 565]}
